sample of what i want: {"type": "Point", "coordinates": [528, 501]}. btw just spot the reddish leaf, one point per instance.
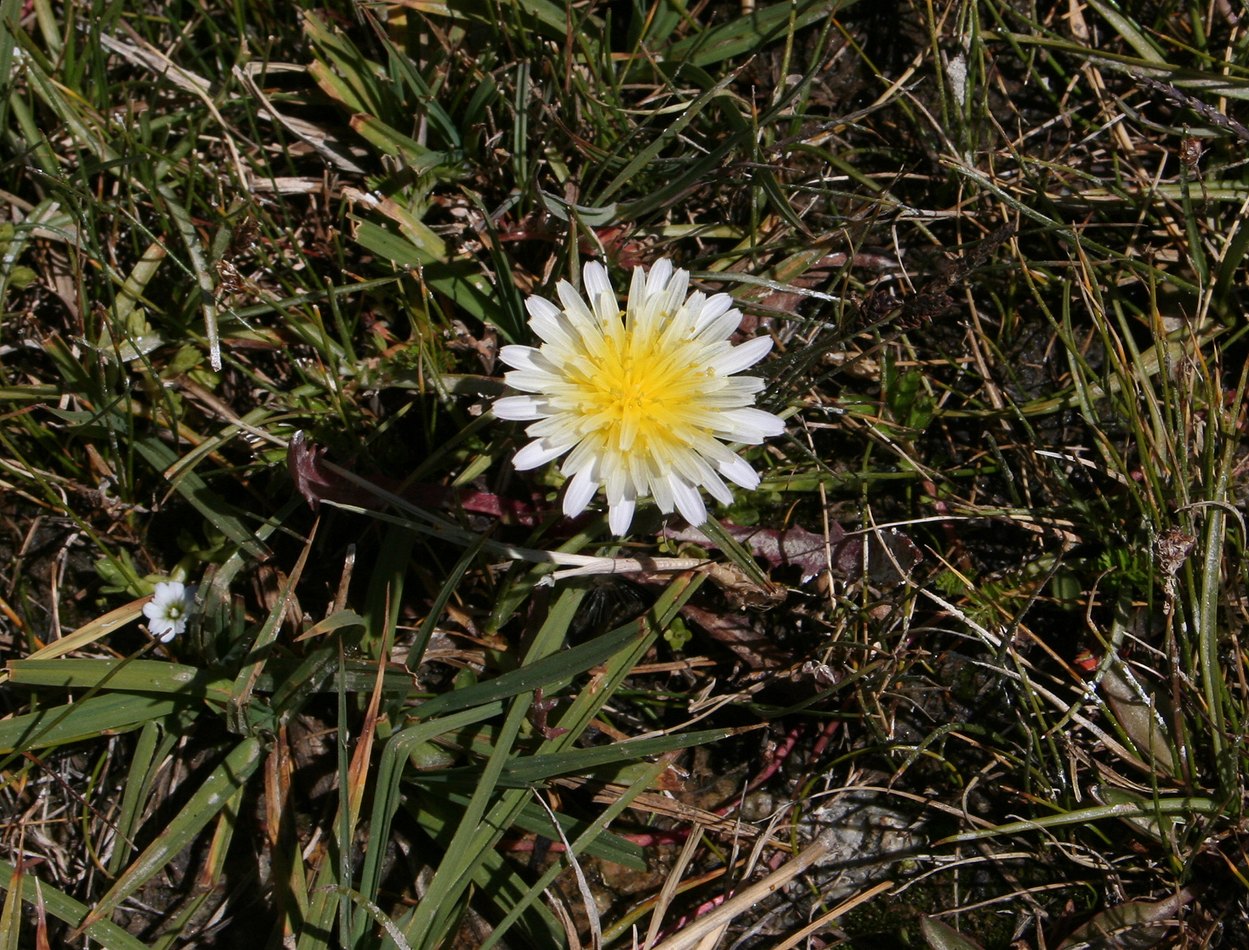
{"type": "Point", "coordinates": [317, 483]}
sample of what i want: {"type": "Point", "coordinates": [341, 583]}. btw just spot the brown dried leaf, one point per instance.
{"type": "Point", "coordinates": [891, 555]}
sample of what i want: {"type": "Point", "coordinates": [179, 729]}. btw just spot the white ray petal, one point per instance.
{"type": "Point", "coordinates": [689, 501]}
{"type": "Point", "coordinates": [597, 284]}
{"type": "Point", "coordinates": [713, 308]}
{"type": "Point", "coordinates": [743, 356]}
{"type": "Point", "coordinates": [531, 380]}
{"type": "Point", "coordinates": [538, 453]}
{"type": "Point", "coordinates": [577, 494]}
{"type": "Point", "coordinates": [520, 408]}
{"type": "Point", "coordinates": [658, 277]}
{"type": "Point", "coordinates": [751, 426]}
{"type": "Point", "coordinates": [621, 516]}
{"type": "Point", "coordinates": [740, 473]}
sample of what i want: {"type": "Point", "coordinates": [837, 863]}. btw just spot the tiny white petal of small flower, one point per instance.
{"type": "Point", "coordinates": [538, 453]}
{"type": "Point", "coordinates": [521, 408]}
{"type": "Point", "coordinates": [621, 516]}
{"type": "Point", "coordinates": [169, 609]}
{"type": "Point", "coordinates": [577, 494]}
{"type": "Point", "coordinates": [743, 356]}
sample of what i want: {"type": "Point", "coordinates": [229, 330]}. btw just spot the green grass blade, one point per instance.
{"type": "Point", "coordinates": [85, 719]}
{"type": "Point", "coordinates": [214, 794]}
{"type": "Point", "coordinates": [65, 908]}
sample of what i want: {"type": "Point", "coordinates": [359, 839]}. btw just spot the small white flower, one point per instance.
{"type": "Point", "coordinates": [642, 405]}
{"type": "Point", "coordinates": [169, 609]}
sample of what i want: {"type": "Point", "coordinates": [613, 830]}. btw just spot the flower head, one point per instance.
{"type": "Point", "coordinates": [169, 609]}
{"type": "Point", "coordinates": [642, 405]}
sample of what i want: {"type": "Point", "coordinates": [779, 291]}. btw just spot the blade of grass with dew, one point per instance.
{"type": "Point", "coordinates": [390, 141]}
{"type": "Point", "coordinates": [648, 155]}
{"type": "Point", "coordinates": [10, 11]}
{"type": "Point", "coordinates": [1082, 816]}
{"type": "Point", "coordinates": [356, 778]}
{"type": "Point", "coordinates": [342, 71]}
{"type": "Point", "coordinates": [489, 814]}
{"type": "Point", "coordinates": [446, 592]}
{"type": "Point", "coordinates": [483, 700]}
{"type": "Point", "coordinates": [510, 803]}
{"type": "Point", "coordinates": [495, 874]}
{"type": "Point", "coordinates": [605, 845]}
{"type": "Point", "coordinates": [1206, 615]}
{"type": "Point", "coordinates": [741, 36]}
{"type": "Point", "coordinates": [252, 424]}
{"type": "Point", "coordinates": [535, 769]}
{"type": "Point", "coordinates": [555, 671]}
{"type": "Point", "coordinates": [91, 631]}
{"type": "Point", "coordinates": [130, 293]}
{"type": "Point", "coordinates": [328, 897]}
{"type": "Point", "coordinates": [394, 759]}
{"type": "Point", "coordinates": [198, 263]}
{"type": "Point", "coordinates": [11, 912]}
{"type": "Point", "coordinates": [384, 598]}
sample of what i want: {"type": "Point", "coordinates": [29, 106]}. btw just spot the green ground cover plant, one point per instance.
{"type": "Point", "coordinates": [964, 671]}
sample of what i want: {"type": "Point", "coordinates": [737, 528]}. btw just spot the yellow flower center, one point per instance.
{"type": "Point", "coordinates": [639, 395]}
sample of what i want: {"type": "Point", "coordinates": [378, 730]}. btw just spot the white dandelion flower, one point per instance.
{"type": "Point", "coordinates": [644, 405]}
{"type": "Point", "coordinates": [169, 609]}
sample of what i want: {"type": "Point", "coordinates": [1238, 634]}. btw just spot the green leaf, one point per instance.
{"type": "Point", "coordinates": [941, 936]}
{"type": "Point", "coordinates": [133, 676]}
{"type": "Point", "coordinates": [85, 719]}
